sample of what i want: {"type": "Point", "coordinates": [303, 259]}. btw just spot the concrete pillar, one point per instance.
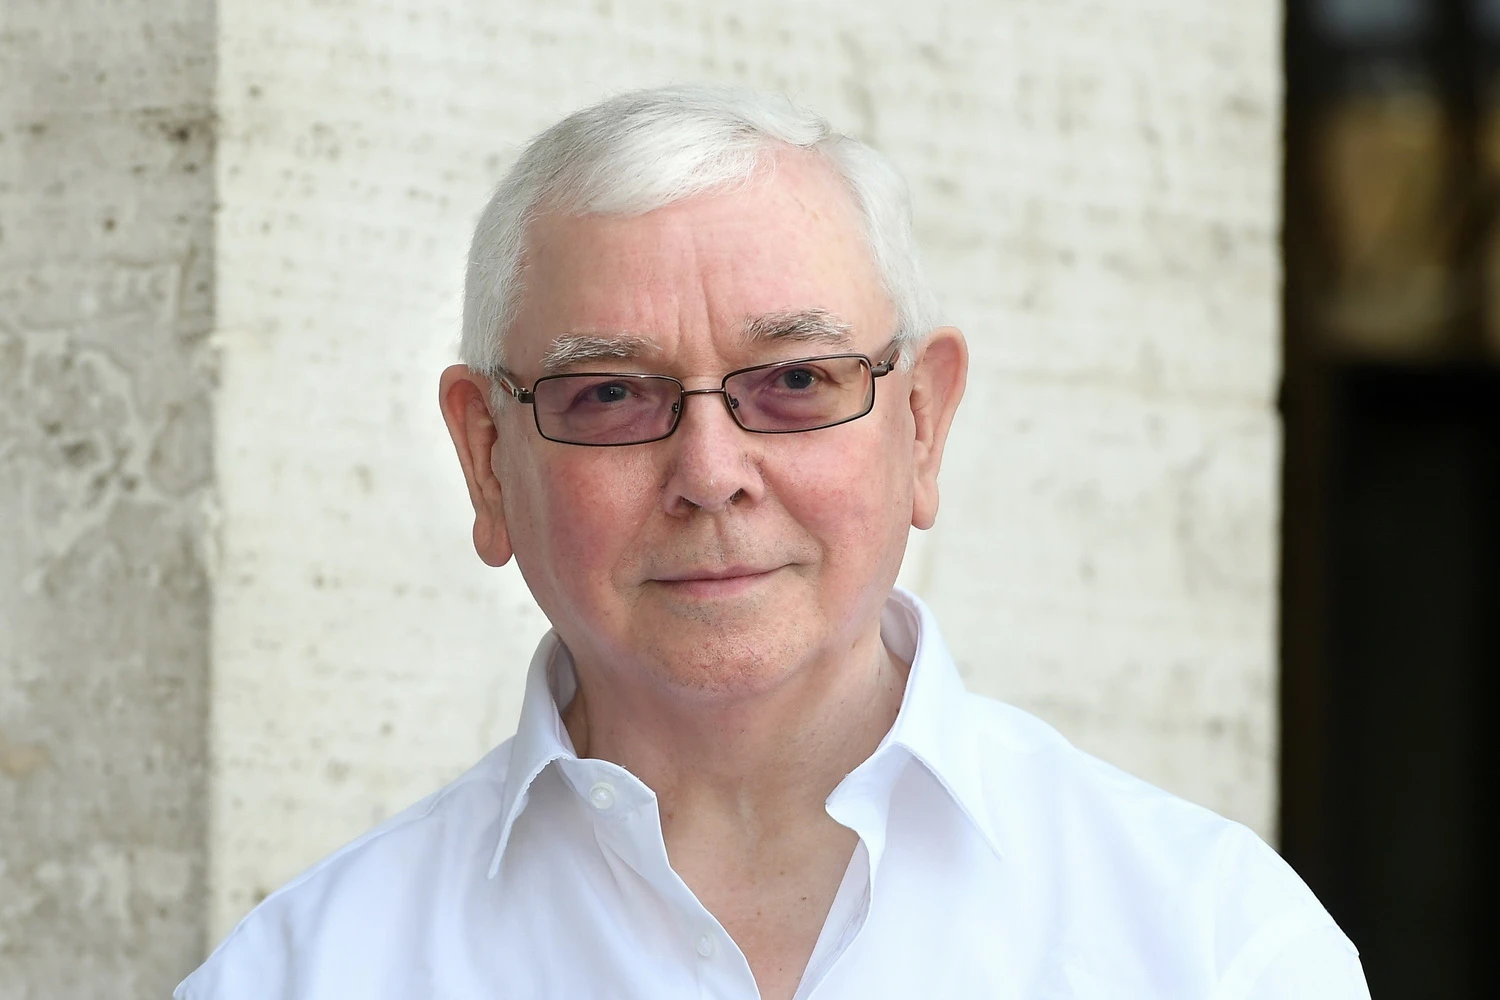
{"type": "Point", "coordinates": [106, 267]}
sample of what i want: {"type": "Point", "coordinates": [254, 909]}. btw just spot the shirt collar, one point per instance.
{"type": "Point", "coordinates": [932, 726]}
{"type": "Point", "coordinates": [540, 736]}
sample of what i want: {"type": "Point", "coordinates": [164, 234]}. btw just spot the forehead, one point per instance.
{"type": "Point", "coordinates": [789, 240]}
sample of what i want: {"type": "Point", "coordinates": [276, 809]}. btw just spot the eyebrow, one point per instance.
{"type": "Point", "coordinates": [578, 348]}
{"type": "Point", "coordinates": [816, 325]}
{"type": "Point", "coordinates": [801, 325]}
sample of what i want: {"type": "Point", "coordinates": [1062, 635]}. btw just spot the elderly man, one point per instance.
{"type": "Point", "coordinates": [704, 399]}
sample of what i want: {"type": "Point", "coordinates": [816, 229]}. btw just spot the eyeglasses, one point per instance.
{"type": "Point", "coordinates": [604, 409]}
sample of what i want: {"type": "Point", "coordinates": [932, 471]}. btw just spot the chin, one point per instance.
{"type": "Point", "coordinates": [723, 655]}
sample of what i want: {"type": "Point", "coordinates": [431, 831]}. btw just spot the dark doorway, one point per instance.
{"type": "Point", "coordinates": [1391, 538]}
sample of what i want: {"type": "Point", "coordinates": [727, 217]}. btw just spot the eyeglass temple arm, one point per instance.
{"type": "Point", "coordinates": [509, 383]}
{"type": "Point", "coordinates": [884, 368]}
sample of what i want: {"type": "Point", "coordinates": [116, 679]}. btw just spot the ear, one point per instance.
{"type": "Point", "coordinates": [937, 384]}
{"type": "Point", "coordinates": [464, 397]}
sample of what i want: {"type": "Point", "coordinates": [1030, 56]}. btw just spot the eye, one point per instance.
{"type": "Point", "coordinates": [797, 378]}
{"type": "Point", "coordinates": [596, 393]}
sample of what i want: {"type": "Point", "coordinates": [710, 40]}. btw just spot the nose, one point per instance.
{"type": "Point", "coordinates": [713, 462]}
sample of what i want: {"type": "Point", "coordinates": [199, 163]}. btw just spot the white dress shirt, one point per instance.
{"type": "Point", "coordinates": [994, 860]}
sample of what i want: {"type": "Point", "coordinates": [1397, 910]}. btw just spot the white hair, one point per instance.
{"type": "Point", "coordinates": [646, 149]}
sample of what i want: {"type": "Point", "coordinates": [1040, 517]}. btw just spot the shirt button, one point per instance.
{"type": "Point", "coordinates": [602, 795]}
{"type": "Point", "coordinates": [706, 946]}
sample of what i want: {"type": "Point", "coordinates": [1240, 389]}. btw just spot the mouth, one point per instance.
{"type": "Point", "coordinates": [714, 582]}
{"type": "Point", "coordinates": [726, 573]}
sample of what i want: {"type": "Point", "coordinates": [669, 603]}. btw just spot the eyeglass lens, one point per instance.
{"type": "Point", "coordinates": [631, 409]}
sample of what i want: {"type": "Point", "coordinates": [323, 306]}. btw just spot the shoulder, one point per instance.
{"type": "Point", "coordinates": [1025, 760]}
{"type": "Point", "coordinates": [359, 893]}
{"type": "Point", "coordinates": [1208, 881]}
{"type": "Point", "coordinates": [1046, 796]}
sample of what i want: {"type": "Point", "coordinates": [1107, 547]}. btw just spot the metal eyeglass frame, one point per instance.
{"type": "Point", "coordinates": [511, 384]}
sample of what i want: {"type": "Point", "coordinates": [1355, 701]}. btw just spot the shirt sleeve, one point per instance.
{"type": "Point", "coordinates": [1321, 963]}
{"type": "Point", "coordinates": [1275, 941]}
{"type": "Point", "coordinates": [251, 964]}
{"type": "Point", "coordinates": [1301, 960]}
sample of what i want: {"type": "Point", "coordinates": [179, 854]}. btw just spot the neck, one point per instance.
{"type": "Point", "coordinates": [761, 764]}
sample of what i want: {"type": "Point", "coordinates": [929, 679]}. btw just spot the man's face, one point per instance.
{"type": "Point", "coordinates": [716, 561]}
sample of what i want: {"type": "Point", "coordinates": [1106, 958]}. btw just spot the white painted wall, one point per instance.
{"type": "Point", "coordinates": [1096, 192]}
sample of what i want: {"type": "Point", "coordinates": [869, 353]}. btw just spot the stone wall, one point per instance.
{"type": "Point", "coordinates": [106, 269]}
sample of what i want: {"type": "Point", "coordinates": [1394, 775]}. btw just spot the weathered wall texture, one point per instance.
{"type": "Point", "coordinates": [105, 298]}
{"type": "Point", "coordinates": [1095, 186]}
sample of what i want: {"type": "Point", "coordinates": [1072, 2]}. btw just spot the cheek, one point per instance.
{"type": "Point", "coordinates": [585, 511]}
{"type": "Point", "coordinates": [853, 498]}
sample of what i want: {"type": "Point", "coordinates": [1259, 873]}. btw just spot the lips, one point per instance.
{"type": "Point", "coordinates": [716, 573]}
